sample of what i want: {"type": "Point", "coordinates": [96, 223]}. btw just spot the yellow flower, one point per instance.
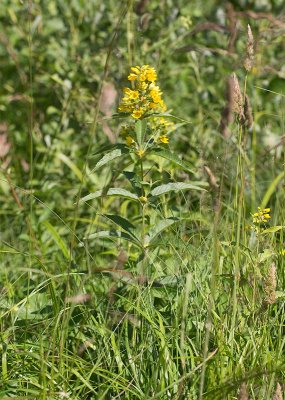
{"type": "Point", "coordinates": [163, 139]}
{"type": "Point", "coordinates": [143, 86]}
{"type": "Point", "coordinates": [136, 70]}
{"type": "Point", "coordinates": [130, 94]}
{"type": "Point", "coordinates": [282, 252]}
{"type": "Point", "coordinates": [155, 94]}
{"type": "Point", "coordinates": [129, 141]}
{"type": "Point", "coordinates": [137, 113]}
{"type": "Point", "coordinates": [261, 216]}
{"type": "Point", "coordinates": [144, 98]}
{"type": "Point", "coordinates": [140, 153]}
{"type": "Point", "coordinates": [132, 77]}
{"type": "Point", "coordinates": [135, 95]}
{"type": "Point", "coordinates": [125, 108]}
{"type": "Point", "coordinates": [151, 74]}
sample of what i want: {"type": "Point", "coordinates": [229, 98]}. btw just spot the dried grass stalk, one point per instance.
{"type": "Point", "coordinates": [212, 177]}
{"type": "Point", "coordinates": [270, 285]}
{"type": "Point", "coordinates": [243, 393]}
{"type": "Point", "coordinates": [237, 99]}
{"type": "Point", "coordinates": [248, 113]}
{"type": "Point", "coordinates": [248, 62]}
{"type": "Point", "coordinates": [234, 105]}
{"type": "Point", "coordinates": [278, 393]}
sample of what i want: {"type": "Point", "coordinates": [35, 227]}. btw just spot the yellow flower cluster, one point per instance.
{"type": "Point", "coordinates": [145, 97]}
{"type": "Point", "coordinates": [161, 126]}
{"type": "Point", "coordinates": [262, 216]}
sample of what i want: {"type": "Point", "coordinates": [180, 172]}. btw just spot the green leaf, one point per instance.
{"type": "Point", "coordinates": [120, 115]}
{"type": "Point", "coordinates": [280, 295]}
{"type": "Point", "coordinates": [140, 128]}
{"type": "Point", "coordinates": [159, 228]}
{"type": "Point", "coordinates": [113, 234]}
{"type": "Point", "coordinates": [108, 148]}
{"type": "Point", "coordinates": [272, 229]}
{"type": "Point", "coordinates": [174, 187]}
{"type": "Point", "coordinates": [71, 165]}
{"type": "Point", "coordinates": [271, 189]}
{"type": "Point", "coordinates": [109, 157]}
{"type": "Point", "coordinates": [267, 253]}
{"type": "Point", "coordinates": [134, 180]}
{"type": "Point", "coordinates": [173, 158]}
{"type": "Point", "coordinates": [122, 223]}
{"type": "Point", "coordinates": [111, 192]}
{"type": "Point", "coordinates": [167, 115]}
{"type": "Point", "coordinates": [58, 240]}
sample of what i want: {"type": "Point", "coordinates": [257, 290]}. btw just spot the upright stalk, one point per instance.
{"type": "Point", "coordinates": [239, 207]}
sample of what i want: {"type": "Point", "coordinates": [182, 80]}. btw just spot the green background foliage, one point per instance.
{"type": "Point", "coordinates": [103, 297]}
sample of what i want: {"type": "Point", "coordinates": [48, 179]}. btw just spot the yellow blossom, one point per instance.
{"type": "Point", "coordinates": [137, 113]}
{"type": "Point", "coordinates": [132, 77]}
{"type": "Point", "coordinates": [125, 108]}
{"type": "Point", "coordinates": [140, 153]}
{"type": "Point", "coordinates": [144, 98]}
{"type": "Point", "coordinates": [164, 139]}
{"type": "Point", "coordinates": [143, 86]}
{"type": "Point", "coordinates": [261, 216]}
{"type": "Point", "coordinates": [282, 252]}
{"type": "Point", "coordinates": [151, 74]}
{"type": "Point", "coordinates": [129, 141]}
{"type": "Point", "coordinates": [136, 70]}
{"type": "Point", "coordinates": [134, 94]}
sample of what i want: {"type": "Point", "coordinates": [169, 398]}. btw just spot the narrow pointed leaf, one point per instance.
{"type": "Point", "coordinates": [173, 158]}
{"type": "Point", "coordinates": [107, 158]}
{"type": "Point", "coordinates": [271, 189]}
{"type": "Point", "coordinates": [57, 239]}
{"type": "Point", "coordinates": [272, 229]}
{"type": "Point", "coordinates": [174, 187]}
{"type": "Point", "coordinates": [140, 128]}
{"type": "Point", "coordinates": [134, 181]}
{"type": "Point", "coordinates": [122, 223]}
{"type": "Point", "coordinates": [112, 234]}
{"type": "Point", "coordinates": [71, 165]}
{"type": "Point", "coordinates": [159, 228]}
{"type": "Point", "coordinates": [111, 192]}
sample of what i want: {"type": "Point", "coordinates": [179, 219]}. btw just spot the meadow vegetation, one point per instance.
{"type": "Point", "coordinates": [142, 199]}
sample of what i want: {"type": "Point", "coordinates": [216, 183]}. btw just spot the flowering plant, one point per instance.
{"type": "Point", "coordinates": [144, 101]}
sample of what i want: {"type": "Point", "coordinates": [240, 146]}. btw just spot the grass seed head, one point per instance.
{"type": "Point", "coordinates": [248, 62]}
{"type": "Point", "coordinates": [270, 285]}
{"type": "Point", "coordinates": [243, 393]}
{"type": "Point", "coordinates": [237, 100]}
{"type": "Point", "coordinates": [248, 113]}
{"type": "Point", "coordinates": [278, 393]}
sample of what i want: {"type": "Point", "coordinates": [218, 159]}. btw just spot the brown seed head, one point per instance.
{"type": "Point", "coordinates": [248, 113]}
{"type": "Point", "coordinates": [270, 285]}
{"type": "Point", "coordinates": [243, 393]}
{"type": "Point", "coordinates": [278, 393]}
{"type": "Point", "coordinates": [248, 62]}
{"type": "Point", "coordinates": [236, 95]}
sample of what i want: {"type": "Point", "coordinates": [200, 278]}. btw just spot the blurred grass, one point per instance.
{"type": "Point", "coordinates": [196, 321]}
